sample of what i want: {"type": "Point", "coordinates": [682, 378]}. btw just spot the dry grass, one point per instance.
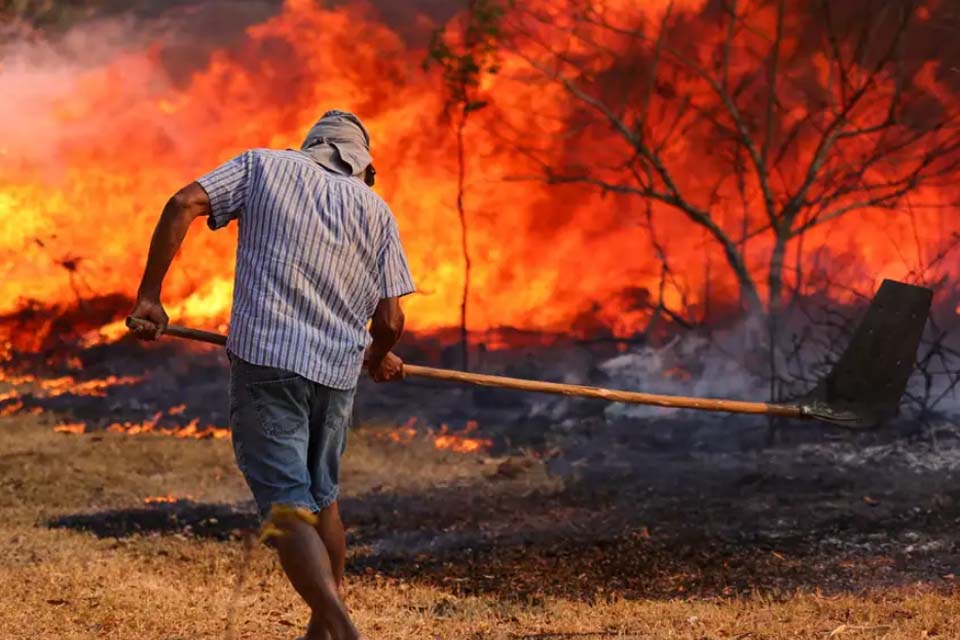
{"type": "Point", "coordinates": [65, 584]}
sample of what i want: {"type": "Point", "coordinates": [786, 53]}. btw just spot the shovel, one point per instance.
{"type": "Point", "coordinates": [863, 389]}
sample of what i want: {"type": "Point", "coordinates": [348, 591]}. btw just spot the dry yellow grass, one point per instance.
{"type": "Point", "coordinates": [65, 584]}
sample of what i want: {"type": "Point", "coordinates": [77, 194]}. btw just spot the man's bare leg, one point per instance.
{"type": "Point", "coordinates": [305, 560]}
{"type": "Point", "coordinates": [330, 528]}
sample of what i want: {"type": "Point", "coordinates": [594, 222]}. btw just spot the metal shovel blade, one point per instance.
{"type": "Point", "coordinates": [865, 386]}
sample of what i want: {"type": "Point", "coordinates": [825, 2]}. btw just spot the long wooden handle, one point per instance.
{"type": "Point", "coordinates": [195, 334]}
{"type": "Point", "coordinates": [520, 384]}
{"type": "Point", "coordinates": [610, 395]}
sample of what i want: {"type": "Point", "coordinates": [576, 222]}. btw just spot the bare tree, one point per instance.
{"type": "Point", "coordinates": [816, 111]}
{"type": "Point", "coordinates": [464, 54]}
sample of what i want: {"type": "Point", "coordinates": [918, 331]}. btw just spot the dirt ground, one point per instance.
{"type": "Point", "coordinates": [816, 542]}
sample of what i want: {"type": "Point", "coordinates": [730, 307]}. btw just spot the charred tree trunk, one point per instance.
{"type": "Point", "coordinates": [774, 311]}
{"type": "Point", "coordinates": [465, 60]}
{"type": "Point", "coordinates": [737, 262]}
{"type": "Point", "coordinates": [461, 211]}
{"type": "Point", "coordinates": [775, 277]}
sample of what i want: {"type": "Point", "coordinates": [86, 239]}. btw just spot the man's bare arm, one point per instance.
{"type": "Point", "coordinates": [183, 208]}
{"type": "Point", "coordinates": [386, 328]}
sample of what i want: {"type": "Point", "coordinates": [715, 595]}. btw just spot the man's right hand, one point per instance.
{"type": "Point", "coordinates": [151, 311]}
{"type": "Point", "coordinates": [386, 369]}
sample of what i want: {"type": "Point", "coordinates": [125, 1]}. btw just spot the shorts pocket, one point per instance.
{"type": "Point", "coordinates": [282, 404]}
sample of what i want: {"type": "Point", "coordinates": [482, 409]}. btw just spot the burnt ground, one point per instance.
{"type": "Point", "coordinates": [574, 500]}
{"type": "Point", "coordinates": [826, 517]}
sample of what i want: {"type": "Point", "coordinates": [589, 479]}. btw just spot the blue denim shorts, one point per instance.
{"type": "Point", "coordinates": [288, 435]}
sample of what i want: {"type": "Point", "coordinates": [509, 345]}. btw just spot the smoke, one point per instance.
{"type": "Point", "coordinates": [735, 363]}
{"type": "Point", "coordinates": [42, 69]}
{"type": "Point", "coordinates": [691, 364]}
{"type": "Point", "coordinates": [43, 66]}
{"type": "Point", "coordinates": [416, 20]}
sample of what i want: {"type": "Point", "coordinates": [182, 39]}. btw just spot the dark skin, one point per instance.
{"type": "Point", "coordinates": [313, 557]}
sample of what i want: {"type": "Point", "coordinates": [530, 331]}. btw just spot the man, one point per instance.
{"type": "Point", "coordinates": [318, 257]}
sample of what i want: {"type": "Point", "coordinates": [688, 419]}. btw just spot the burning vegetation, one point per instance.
{"type": "Point", "coordinates": [729, 155]}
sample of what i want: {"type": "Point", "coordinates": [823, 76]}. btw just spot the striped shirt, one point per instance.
{"type": "Point", "coordinates": [316, 253]}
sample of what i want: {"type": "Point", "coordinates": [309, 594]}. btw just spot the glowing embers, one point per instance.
{"type": "Point", "coordinates": [167, 499]}
{"type": "Point", "coordinates": [462, 441]}
{"type": "Point", "coordinates": [74, 428]}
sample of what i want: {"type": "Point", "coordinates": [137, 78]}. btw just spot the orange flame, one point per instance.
{"type": "Point", "coordinates": [404, 434]}
{"type": "Point", "coordinates": [153, 425]}
{"type": "Point", "coordinates": [52, 388]}
{"type": "Point", "coordinates": [11, 409]}
{"type": "Point", "coordinates": [119, 137]}
{"type": "Point", "coordinates": [55, 387]}
{"type": "Point", "coordinates": [191, 430]}
{"type": "Point", "coordinates": [459, 442]}
{"type": "Point", "coordinates": [75, 428]}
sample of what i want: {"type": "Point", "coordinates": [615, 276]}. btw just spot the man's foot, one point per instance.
{"type": "Point", "coordinates": [324, 628]}
{"type": "Point", "coordinates": [316, 630]}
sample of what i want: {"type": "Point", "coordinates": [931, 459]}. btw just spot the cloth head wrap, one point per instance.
{"type": "Point", "coordinates": [339, 142]}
